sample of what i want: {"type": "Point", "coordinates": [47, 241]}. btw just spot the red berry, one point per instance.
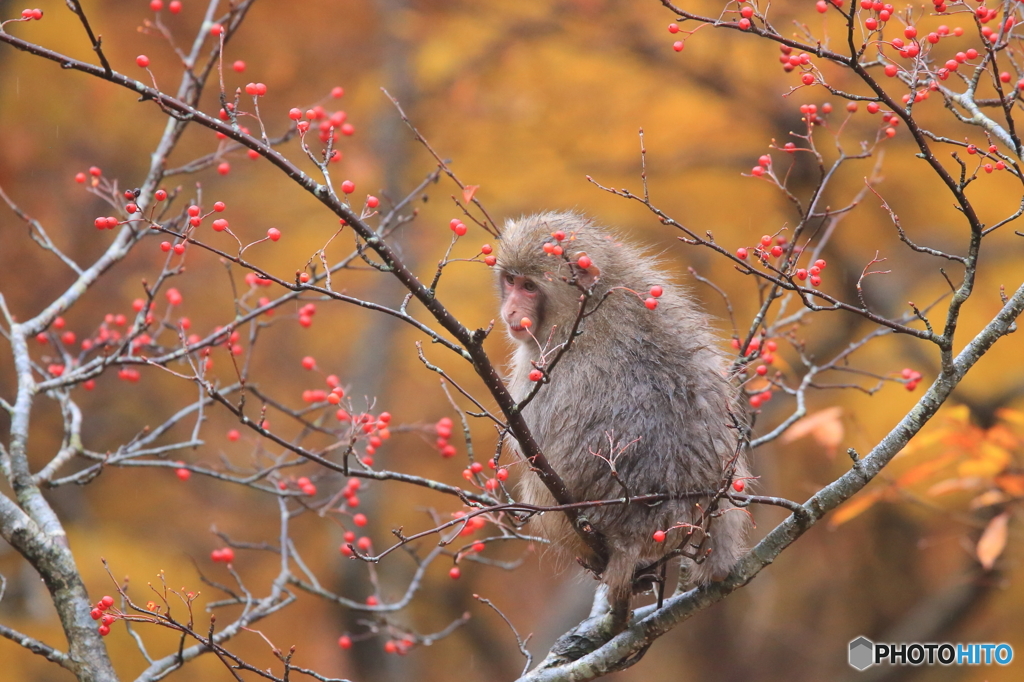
{"type": "Point", "coordinates": [219, 225]}
{"type": "Point", "coordinates": [359, 520]}
{"type": "Point", "coordinates": [741, 253]}
{"type": "Point", "coordinates": [174, 6]}
{"type": "Point", "coordinates": [345, 642]}
{"type": "Point", "coordinates": [486, 249]}
{"type": "Point", "coordinates": [160, 195]}
{"type": "Point", "coordinates": [348, 187]}
{"type": "Point", "coordinates": [156, 5]}
{"type": "Point", "coordinates": [651, 303]}
{"type": "Point", "coordinates": [807, 78]}
{"type": "Point", "coordinates": [216, 30]}
{"type": "Point", "coordinates": [104, 630]}
{"type": "Point", "coordinates": [142, 60]}
{"type": "Point", "coordinates": [454, 573]}
{"type": "Point", "coordinates": [584, 262]}
{"type": "Point", "coordinates": [238, 66]}
{"type": "Point", "coordinates": [739, 485]}
{"type": "Point", "coordinates": [337, 92]}
{"type": "Point", "coordinates": [224, 168]}
{"type": "Point", "coordinates": [659, 536]}
{"type": "Point", "coordinates": [820, 264]}
{"type": "Point", "coordinates": [95, 172]}
{"type": "Point", "coordinates": [536, 375]}
{"type": "Point", "coordinates": [656, 291]}
{"type": "Point", "coordinates": [372, 202]}
{"type": "Point", "coordinates": [80, 178]}
{"type": "Point", "coordinates": [274, 234]}
{"type": "Point", "coordinates": [673, 28]}
{"type": "Point", "coordinates": [678, 46]}
{"type": "Point", "coordinates": [107, 601]}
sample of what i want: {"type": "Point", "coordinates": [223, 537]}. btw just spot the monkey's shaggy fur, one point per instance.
{"type": "Point", "coordinates": [653, 377]}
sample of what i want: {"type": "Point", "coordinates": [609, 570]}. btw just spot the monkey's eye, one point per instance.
{"type": "Point", "coordinates": [509, 279]}
{"type": "Point", "coordinates": [529, 286]}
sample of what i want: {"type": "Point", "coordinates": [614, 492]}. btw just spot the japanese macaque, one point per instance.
{"type": "Point", "coordinates": [639, 404]}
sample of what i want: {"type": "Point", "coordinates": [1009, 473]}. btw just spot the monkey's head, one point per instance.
{"type": "Point", "coordinates": [544, 263]}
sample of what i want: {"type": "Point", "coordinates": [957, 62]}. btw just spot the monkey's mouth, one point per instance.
{"type": "Point", "coordinates": [516, 329]}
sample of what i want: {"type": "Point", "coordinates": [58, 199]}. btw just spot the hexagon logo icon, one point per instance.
{"type": "Point", "coordinates": [862, 653]}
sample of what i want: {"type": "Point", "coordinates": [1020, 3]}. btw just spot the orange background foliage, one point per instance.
{"type": "Point", "coordinates": [526, 98]}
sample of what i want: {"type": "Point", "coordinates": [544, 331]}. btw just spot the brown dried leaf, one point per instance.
{"type": "Point", "coordinates": [993, 540]}
{"type": "Point", "coordinates": [988, 498]}
{"type": "Point", "coordinates": [855, 507]}
{"type": "Point", "coordinates": [826, 427]}
{"type": "Point", "coordinates": [1013, 484]}
{"type": "Point", "coordinates": [953, 485]}
{"type": "Point", "coordinates": [468, 191]}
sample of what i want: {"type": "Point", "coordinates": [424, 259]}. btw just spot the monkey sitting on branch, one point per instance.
{"type": "Point", "coordinates": [636, 403]}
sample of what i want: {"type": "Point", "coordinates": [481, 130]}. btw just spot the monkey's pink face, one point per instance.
{"type": "Point", "coordinates": [521, 304]}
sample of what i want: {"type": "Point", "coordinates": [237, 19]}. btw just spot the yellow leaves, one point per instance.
{"type": "Point", "coordinates": [987, 459]}
{"type": "Point", "coordinates": [826, 427]}
{"type": "Point", "coordinates": [1015, 417]}
{"type": "Point", "coordinates": [993, 540]}
{"type": "Point", "coordinates": [855, 507]}
{"type": "Point", "coordinates": [953, 456]}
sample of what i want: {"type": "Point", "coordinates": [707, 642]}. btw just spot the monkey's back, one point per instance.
{"type": "Point", "coordinates": [647, 390]}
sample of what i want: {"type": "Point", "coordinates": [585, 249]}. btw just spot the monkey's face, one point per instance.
{"type": "Point", "coordinates": [522, 305]}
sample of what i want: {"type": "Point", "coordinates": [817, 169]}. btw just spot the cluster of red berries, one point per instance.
{"type": "Point", "coordinates": [174, 6]}
{"type": "Point", "coordinates": [491, 484]}
{"type": "Point", "coordinates": [554, 248]}
{"type": "Point", "coordinates": [655, 293]}
{"type": "Point", "coordinates": [678, 46]}
{"type": "Point", "coordinates": [487, 250]}
{"type": "Point", "coordinates": [766, 248]}
{"type": "Point", "coordinates": [99, 613]}
{"type": "Point", "coordinates": [472, 525]}
{"type": "Point", "coordinates": [30, 14]}
{"type": "Point", "coordinates": [363, 544]}
{"type": "Point", "coordinates": [988, 167]}
{"type": "Point", "coordinates": [443, 427]}
{"type": "Point", "coordinates": [328, 124]}
{"type": "Point", "coordinates": [912, 377]}
{"type": "Point", "coordinates": [399, 646]}
{"type": "Point", "coordinates": [306, 313]}
{"type": "Point", "coordinates": [457, 226]}
{"type": "Point", "coordinates": [225, 555]}
{"type": "Point", "coordinates": [767, 352]}
{"type": "Point", "coordinates": [374, 429]}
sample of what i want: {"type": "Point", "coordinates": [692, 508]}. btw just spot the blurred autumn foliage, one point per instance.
{"type": "Point", "coordinates": [526, 99]}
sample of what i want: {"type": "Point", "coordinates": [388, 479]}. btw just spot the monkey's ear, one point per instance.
{"type": "Point", "coordinates": [585, 277]}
